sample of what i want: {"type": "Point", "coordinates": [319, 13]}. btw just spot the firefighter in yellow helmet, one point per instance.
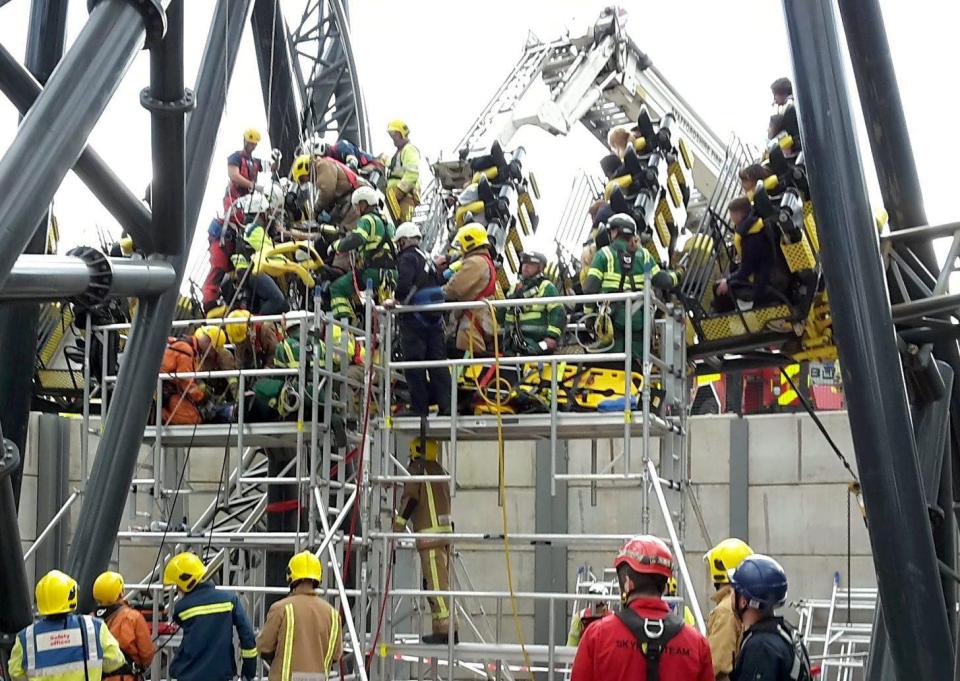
{"type": "Point", "coordinates": [185, 398]}
{"type": "Point", "coordinates": [207, 619]}
{"type": "Point", "coordinates": [242, 170]}
{"type": "Point", "coordinates": [301, 634]}
{"type": "Point", "coordinates": [723, 627]}
{"type": "Point", "coordinates": [425, 506]}
{"type": "Point", "coordinates": [126, 624]}
{"type": "Point", "coordinates": [254, 343]}
{"type": "Point", "coordinates": [62, 645]}
{"type": "Point", "coordinates": [403, 174]}
{"type": "Point", "coordinates": [476, 279]}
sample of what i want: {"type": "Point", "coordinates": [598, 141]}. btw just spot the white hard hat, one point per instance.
{"type": "Point", "coordinates": [408, 230]}
{"type": "Point", "coordinates": [599, 589]}
{"type": "Point", "coordinates": [317, 146]}
{"type": "Point", "coordinates": [368, 194]}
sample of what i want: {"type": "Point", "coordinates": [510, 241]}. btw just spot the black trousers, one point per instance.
{"type": "Point", "coordinates": [427, 386]}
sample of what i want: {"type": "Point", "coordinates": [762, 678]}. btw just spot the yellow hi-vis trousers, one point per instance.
{"type": "Point", "coordinates": [401, 205]}
{"type": "Point", "coordinates": [435, 565]}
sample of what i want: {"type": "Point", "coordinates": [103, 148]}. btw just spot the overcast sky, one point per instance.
{"type": "Point", "coordinates": [436, 63]}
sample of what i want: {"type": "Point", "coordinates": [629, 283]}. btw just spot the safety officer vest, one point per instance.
{"type": "Point", "coordinates": [55, 645]}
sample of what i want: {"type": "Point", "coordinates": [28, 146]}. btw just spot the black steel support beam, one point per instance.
{"type": "Point", "coordinates": [168, 103]}
{"type": "Point", "coordinates": [907, 572]}
{"type": "Point", "coordinates": [276, 81]}
{"type": "Point", "coordinates": [55, 130]}
{"type": "Point", "coordinates": [16, 611]}
{"type": "Point", "coordinates": [56, 277]}
{"type": "Point", "coordinates": [22, 89]}
{"type": "Point", "coordinates": [117, 452]}
{"type": "Point", "coordinates": [46, 36]}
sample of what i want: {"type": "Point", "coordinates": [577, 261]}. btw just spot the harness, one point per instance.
{"type": "Point", "coordinates": [652, 636]}
{"type": "Point", "coordinates": [800, 669]}
{"type": "Point", "coordinates": [375, 257]}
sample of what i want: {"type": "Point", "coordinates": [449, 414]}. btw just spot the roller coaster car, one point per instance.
{"type": "Point", "coordinates": [655, 184]}
{"type": "Point", "coordinates": [800, 321]}
{"type": "Point", "coordinates": [526, 389]}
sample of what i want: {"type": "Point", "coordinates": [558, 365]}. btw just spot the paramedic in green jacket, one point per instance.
{"type": "Point", "coordinates": [532, 329]}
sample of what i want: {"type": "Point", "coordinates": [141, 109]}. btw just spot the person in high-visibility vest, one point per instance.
{"type": "Point", "coordinates": [425, 505]}
{"type": "Point", "coordinates": [403, 174]}
{"type": "Point", "coordinates": [301, 636]}
{"type": "Point", "coordinates": [538, 328]}
{"type": "Point", "coordinates": [620, 267]}
{"type": "Point", "coordinates": [61, 645]}
{"type": "Point", "coordinates": [376, 258]}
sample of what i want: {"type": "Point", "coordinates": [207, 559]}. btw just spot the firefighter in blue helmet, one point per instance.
{"type": "Point", "coordinates": [770, 649]}
{"type": "Point", "coordinates": [207, 618]}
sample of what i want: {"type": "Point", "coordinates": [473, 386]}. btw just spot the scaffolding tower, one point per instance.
{"type": "Point", "coordinates": [338, 501]}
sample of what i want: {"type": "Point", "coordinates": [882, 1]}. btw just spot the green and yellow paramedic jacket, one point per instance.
{"type": "Point", "coordinates": [376, 250]}
{"type": "Point", "coordinates": [538, 321]}
{"type": "Point", "coordinates": [608, 274]}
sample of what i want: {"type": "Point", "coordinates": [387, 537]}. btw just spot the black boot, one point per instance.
{"type": "Point", "coordinates": [442, 638]}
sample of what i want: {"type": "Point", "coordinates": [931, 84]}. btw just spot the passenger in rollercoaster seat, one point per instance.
{"type": "Point", "coordinates": [254, 343]}
{"type": "Point", "coordinates": [472, 330]}
{"type": "Point", "coordinates": [619, 139]}
{"type": "Point", "coordinates": [750, 175]}
{"type": "Point", "coordinates": [426, 507]}
{"type": "Point", "coordinates": [748, 285]}
{"type": "Point", "coordinates": [371, 241]}
{"type": "Point", "coordinates": [532, 329]}
{"type": "Point", "coordinates": [620, 267]}
{"type": "Point", "coordinates": [421, 333]}
{"type": "Point", "coordinates": [258, 293]}
{"type": "Point", "coordinates": [403, 174]}
{"type": "Point", "coordinates": [587, 616]}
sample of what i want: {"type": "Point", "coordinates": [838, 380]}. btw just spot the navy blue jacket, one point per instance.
{"type": "Point", "coordinates": [764, 655]}
{"type": "Point", "coordinates": [207, 618]}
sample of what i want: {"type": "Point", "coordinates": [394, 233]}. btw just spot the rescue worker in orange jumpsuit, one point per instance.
{"type": "Point", "coordinates": [127, 625]}
{"type": "Point", "coordinates": [723, 627]}
{"type": "Point", "coordinates": [202, 351]}
{"type": "Point", "coordinates": [645, 641]}
{"type": "Point", "coordinates": [475, 280]}
{"type": "Point", "coordinates": [426, 506]}
{"type": "Point", "coordinates": [301, 636]}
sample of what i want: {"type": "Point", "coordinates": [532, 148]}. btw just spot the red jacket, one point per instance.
{"type": "Point", "coordinates": [608, 651]}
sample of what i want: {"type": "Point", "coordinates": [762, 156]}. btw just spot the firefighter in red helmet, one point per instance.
{"type": "Point", "coordinates": [645, 640]}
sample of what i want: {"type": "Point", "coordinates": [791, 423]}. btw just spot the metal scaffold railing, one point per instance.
{"type": "Point", "coordinates": [335, 487]}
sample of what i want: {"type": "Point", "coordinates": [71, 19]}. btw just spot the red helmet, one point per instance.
{"type": "Point", "coordinates": [646, 554]}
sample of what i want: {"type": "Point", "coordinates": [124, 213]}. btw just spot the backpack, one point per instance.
{"type": "Point", "coordinates": [800, 670]}
{"type": "Point", "coordinates": [652, 636]}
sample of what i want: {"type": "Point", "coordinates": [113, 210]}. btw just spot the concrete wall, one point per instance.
{"type": "Point", "coordinates": [796, 505]}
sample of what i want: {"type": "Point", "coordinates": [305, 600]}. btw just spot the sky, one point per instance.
{"type": "Point", "coordinates": [435, 64]}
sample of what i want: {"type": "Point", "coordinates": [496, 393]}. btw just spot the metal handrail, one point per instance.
{"type": "Point", "coordinates": [54, 521]}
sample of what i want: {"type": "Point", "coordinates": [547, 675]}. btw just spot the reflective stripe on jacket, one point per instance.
{"type": "Point", "coordinates": [302, 635]}
{"type": "Point", "coordinates": [537, 321]}
{"type": "Point", "coordinates": [65, 648]}
{"type": "Point", "coordinates": [404, 170]}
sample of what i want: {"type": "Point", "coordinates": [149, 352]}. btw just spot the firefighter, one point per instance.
{"type": "Point", "coordinates": [376, 260]}
{"type": "Point", "coordinates": [538, 328]}
{"type": "Point", "coordinates": [301, 635]}
{"type": "Point", "coordinates": [61, 645]}
{"type": "Point", "coordinates": [771, 649]}
{"type": "Point", "coordinates": [645, 640]}
{"type": "Point", "coordinates": [426, 506]}
{"type": "Point", "coordinates": [201, 351]}
{"type": "Point", "coordinates": [476, 279]}
{"type": "Point", "coordinates": [723, 627]}
{"type": "Point", "coordinates": [621, 267]}
{"type": "Point", "coordinates": [126, 624]}
{"type": "Point", "coordinates": [242, 169]}
{"type": "Point", "coordinates": [207, 619]}
{"type": "Point", "coordinates": [421, 333]}
{"type": "Point", "coordinates": [254, 343]}
{"type": "Point", "coordinates": [584, 618]}
{"type": "Point", "coordinates": [403, 174]}
{"type": "Point", "coordinates": [687, 612]}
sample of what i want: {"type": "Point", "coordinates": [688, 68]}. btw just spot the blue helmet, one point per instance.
{"type": "Point", "coordinates": [762, 581]}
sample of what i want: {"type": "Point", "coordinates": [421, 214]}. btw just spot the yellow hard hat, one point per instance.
{"type": "Point", "coordinates": [430, 447]}
{"type": "Point", "coordinates": [185, 570]}
{"type": "Point", "coordinates": [238, 332]}
{"type": "Point", "coordinates": [56, 593]}
{"type": "Point", "coordinates": [396, 125]}
{"type": "Point", "coordinates": [217, 312]}
{"type": "Point", "coordinates": [471, 236]}
{"type": "Point", "coordinates": [126, 246]}
{"type": "Point", "coordinates": [726, 556]}
{"type": "Point", "coordinates": [108, 589]}
{"type": "Point", "coordinates": [300, 170]}
{"type": "Point", "coordinates": [672, 586]}
{"type": "Point", "coordinates": [304, 565]}
{"type": "Point", "coordinates": [239, 262]}
{"type": "Point", "coordinates": [251, 135]}
{"type": "Point", "coordinates": [216, 335]}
